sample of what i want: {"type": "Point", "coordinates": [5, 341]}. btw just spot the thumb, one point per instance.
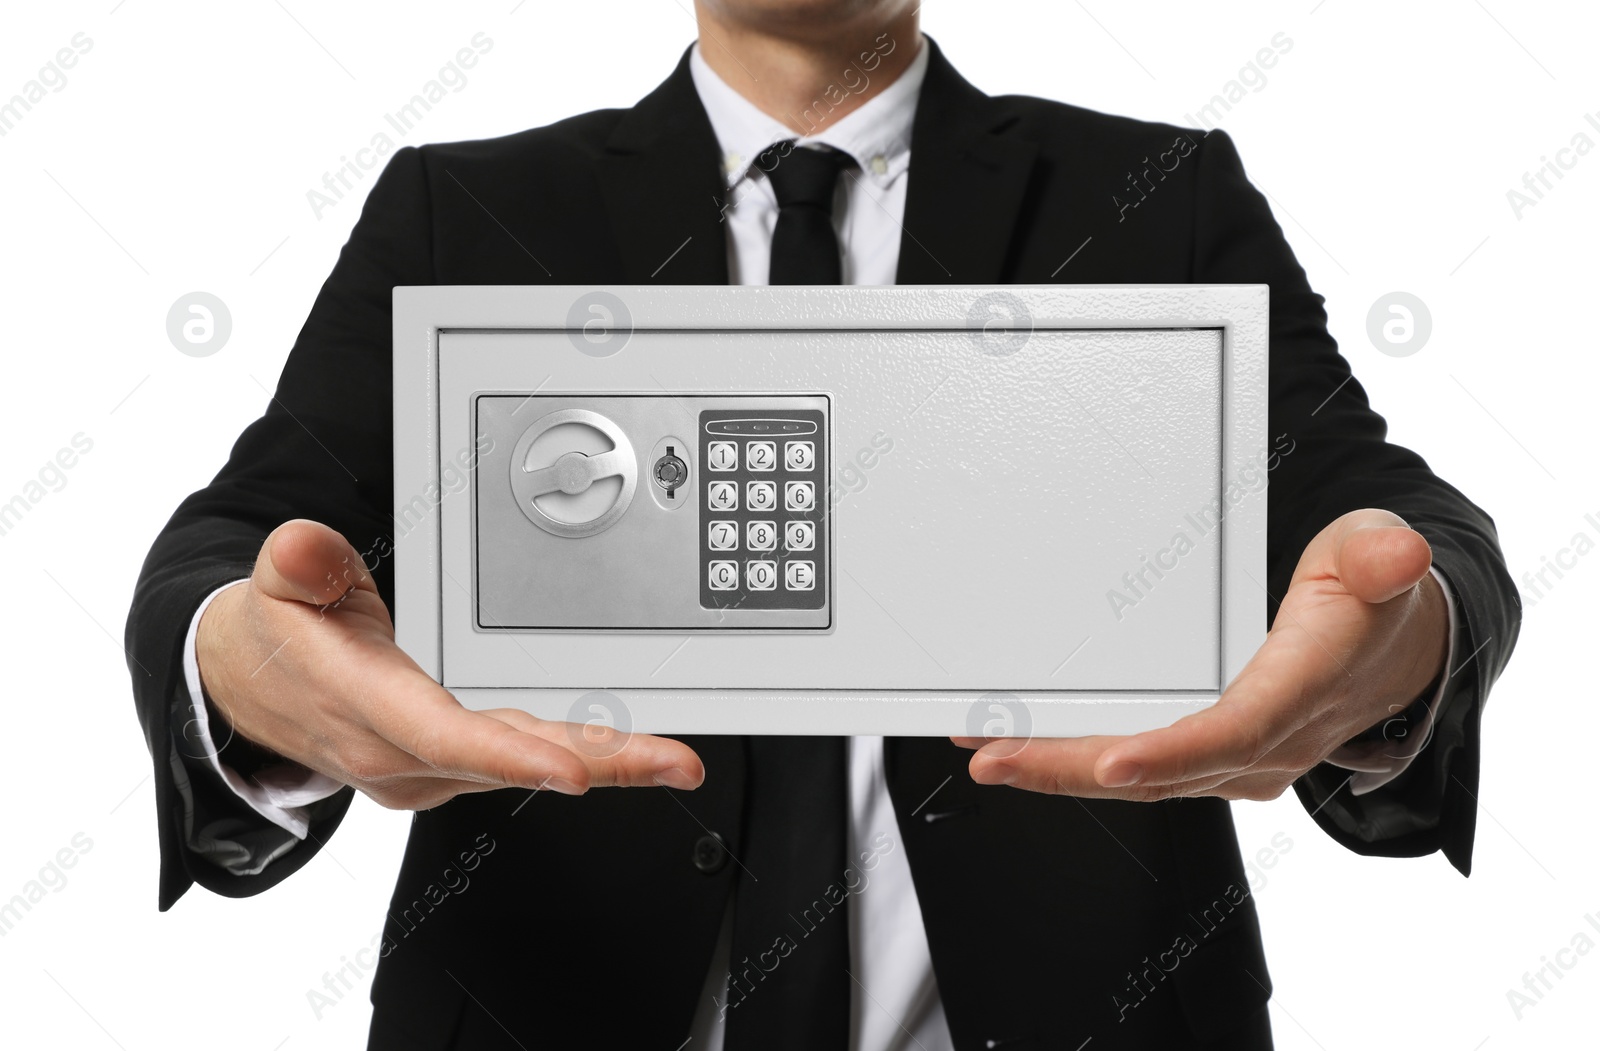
{"type": "Point", "coordinates": [1377, 560]}
{"type": "Point", "coordinates": [305, 561]}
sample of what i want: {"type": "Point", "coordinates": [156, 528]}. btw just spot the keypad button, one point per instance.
{"type": "Point", "coordinates": [760, 536]}
{"type": "Point", "coordinates": [723, 456]}
{"type": "Point", "coordinates": [723, 536]}
{"type": "Point", "coordinates": [723, 496]}
{"type": "Point", "coordinates": [761, 575]}
{"type": "Point", "coordinates": [799, 496]}
{"type": "Point", "coordinates": [724, 576]}
{"type": "Point", "coordinates": [799, 536]}
{"type": "Point", "coordinates": [799, 456]}
{"type": "Point", "coordinates": [760, 496]}
{"type": "Point", "coordinates": [799, 576]}
{"type": "Point", "coordinates": [761, 456]}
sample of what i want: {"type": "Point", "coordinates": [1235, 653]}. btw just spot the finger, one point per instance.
{"type": "Point", "coordinates": [1054, 764]}
{"type": "Point", "coordinates": [306, 561]}
{"type": "Point", "coordinates": [1371, 552]}
{"type": "Point", "coordinates": [1258, 711]}
{"type": "Point", "coordinates": [1376, 563]}
{"type": "Point", "coordinates": [615, 758]}
{"type": "Point", "coordinates": [408, 709]}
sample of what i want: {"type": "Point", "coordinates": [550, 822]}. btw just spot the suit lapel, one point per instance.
{"type": "Point", "coordinates": [663, 187]}
{"type": "Point", "coordinates": [966, 186]}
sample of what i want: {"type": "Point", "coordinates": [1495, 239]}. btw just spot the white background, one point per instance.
{"type": "Point", "coordinates": [178, 156]}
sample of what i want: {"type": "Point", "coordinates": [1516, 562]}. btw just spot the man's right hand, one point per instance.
{"type": "Point", "coordinates": [301, 659]}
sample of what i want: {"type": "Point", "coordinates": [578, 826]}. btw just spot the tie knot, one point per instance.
{"type": "Point", "coordinates": [803, 176]}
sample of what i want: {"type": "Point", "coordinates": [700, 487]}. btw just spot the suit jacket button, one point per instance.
{"type": "Point", "coordinates": [710, 855]}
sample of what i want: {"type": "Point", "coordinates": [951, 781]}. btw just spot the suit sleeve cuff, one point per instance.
{"type": "Point", "coordinates": [281, 793]}
{"type": "Point", "coordinates": [1376, 763]}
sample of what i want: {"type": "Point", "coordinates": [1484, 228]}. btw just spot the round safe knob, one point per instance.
{"type": "Point", "coordinates": [572, 472]}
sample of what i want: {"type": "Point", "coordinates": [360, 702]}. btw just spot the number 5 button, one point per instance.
{"type": "Point", "coordinates": [724, 496]}
{"type": "Point", "coordinates": [760, 496]}
{"type": "Point", "coordinates": [799, 496]}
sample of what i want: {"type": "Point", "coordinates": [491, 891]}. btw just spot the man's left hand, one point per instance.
{"type": "Point", "coordinates": [1361, 633]}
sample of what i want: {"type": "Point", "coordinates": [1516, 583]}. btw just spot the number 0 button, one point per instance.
{"type": "Point", "coordinates": [799, 496]}
{"type": "Point", "coordinates": [761, 575]}
{"type": "Point", "coordinates": [723, 496]}
{"type": "Point", "coordinates": [724, 576]}
{"type": "Point", "coordinates": [799, 576]}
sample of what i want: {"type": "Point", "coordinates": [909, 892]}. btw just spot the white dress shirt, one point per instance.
{"type": "Point", "coordinates": [896, 1005]}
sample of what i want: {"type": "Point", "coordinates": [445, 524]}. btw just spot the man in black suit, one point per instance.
{"type": "Point", "coordinates": [1069, 890]}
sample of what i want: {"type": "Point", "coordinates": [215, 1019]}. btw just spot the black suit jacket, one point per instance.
{"type": "Point", "coordinates": [588, 920]}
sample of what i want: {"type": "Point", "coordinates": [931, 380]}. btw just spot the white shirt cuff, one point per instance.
{"type": "Point", "coordinates": [279, 793]}
{"type": "Point", "coordinates": [1376, 763]}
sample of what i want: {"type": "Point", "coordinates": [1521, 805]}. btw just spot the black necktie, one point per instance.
{"type": "Point", "coordinates": [789, 970]}
{"type": "Point", "coordinates": [805, 250]}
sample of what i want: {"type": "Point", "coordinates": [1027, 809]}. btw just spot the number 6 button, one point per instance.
{"type": "Point", "coordinates": [799, 496]}
{"type": "Point", "coordinates": [724, 496]}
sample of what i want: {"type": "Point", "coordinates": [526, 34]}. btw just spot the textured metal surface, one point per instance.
{"type": "Point", "coordinates": [976, 554]}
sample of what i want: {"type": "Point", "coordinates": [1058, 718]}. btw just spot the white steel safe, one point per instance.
{"type": "Point", "coordinates": [1008, 511]}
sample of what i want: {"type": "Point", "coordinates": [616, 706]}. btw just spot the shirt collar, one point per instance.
{"type": "Point", "coordinates": [877, 136]}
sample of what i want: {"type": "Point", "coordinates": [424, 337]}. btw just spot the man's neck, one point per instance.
{"type": "Point", "coordinates": [810, 76]}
